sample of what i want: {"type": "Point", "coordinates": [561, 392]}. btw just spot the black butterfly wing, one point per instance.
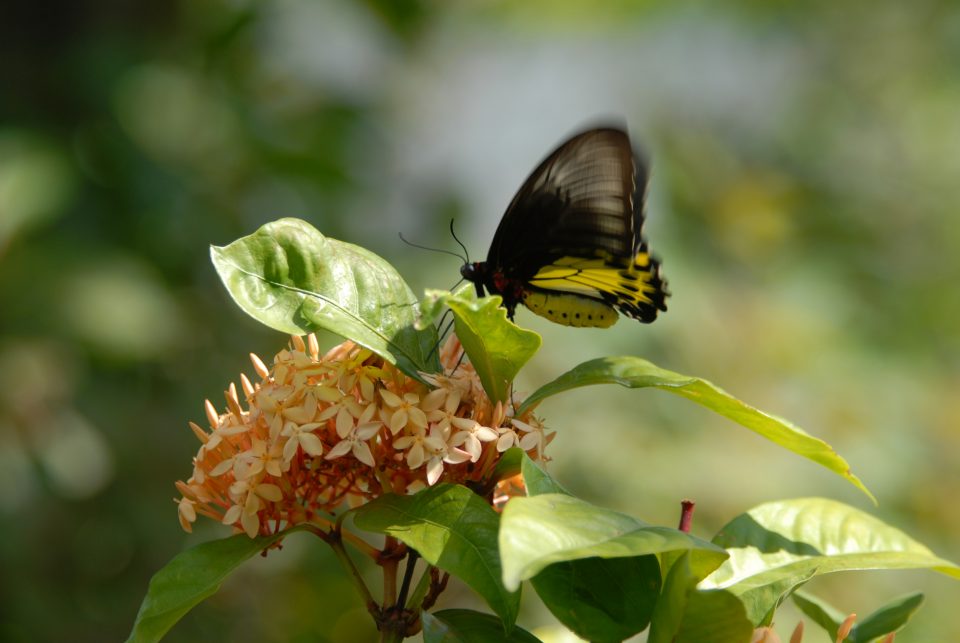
{"type": "Point", "coordinates": [573, 233]}
{"type": "Point", "coordinates": [585, 199]}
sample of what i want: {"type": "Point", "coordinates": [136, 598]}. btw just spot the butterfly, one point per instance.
{"type": "Point", "coordinates": [570, 245]}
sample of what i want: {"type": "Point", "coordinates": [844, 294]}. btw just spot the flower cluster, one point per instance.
{"type": "Point", "coordinates": [320, 431]}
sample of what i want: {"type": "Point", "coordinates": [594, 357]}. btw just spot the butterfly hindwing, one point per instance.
{"type": "Point", "coordinates": [569, 246]}
{"type": "Point", "coordinates": [635, 289]}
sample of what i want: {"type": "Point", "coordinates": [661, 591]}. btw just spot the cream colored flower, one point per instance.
{"type": "Point", "coordinates": [470, 435]}
{"type": "Point", "coordinates": [403, 411]}
{"type": "Point", "coordinates": [442, 405]}
{"type": "Point", "coordinates": [354, 438]}
{"type": "Point", "coordinates": [532, 437]}
{"type": "Point", "coordinates": [313, 441]}
{"type": "Point", "coordinates": [260, 457]}
{"type": "Point", "coordinates": [301, 436]}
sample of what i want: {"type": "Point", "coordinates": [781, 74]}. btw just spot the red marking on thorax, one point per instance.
{"type": "Point", "coordinates": [509, 288]}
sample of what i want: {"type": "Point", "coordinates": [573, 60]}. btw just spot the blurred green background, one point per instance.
{"type": "Point", "coordinates": [804, 202]}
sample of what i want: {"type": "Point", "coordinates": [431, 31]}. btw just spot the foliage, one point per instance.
{"type": "Point", "coordinates": [605, 575]}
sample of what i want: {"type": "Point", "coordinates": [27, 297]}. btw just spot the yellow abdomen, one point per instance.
{"type": "Point", "coordinates": [570, 310]}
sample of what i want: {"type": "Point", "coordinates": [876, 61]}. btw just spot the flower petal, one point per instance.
{"type": "Point", "coordinates": [290, 449]}
{"type": "Point", "coordinates": [221, 468]}
{"type": "Point", "coordinates": [415, 456]}
{"type": "Point", "coordinates": [344, 423]}
{"type": "Point", "coordinates": [251, 524]}
{"type": "Point", "coordinates": [269, 492]}
{"type": "Point", "coordinates": [417, 417]}
{"type": "Point", "coordinates": [339, 449]}
{"type": "Point", "coordinates": [506, 440]}
{"type": "Point", "coordinates": [367, 431]}
{"type": "Point", "coordinates": [398, 421]}
{"type": "Point", "coordinates": [390, 398]}
{"type": "Point", "coordinates": [434, 400]}
{"type": "Point", "coordinates": [361, 451]}
{"type": "Point", "coordinates": [310, 443]}
{"type": "Point", "coordinates": [434, 470]}
{"type": "Point", "coordinates": [232, 515]}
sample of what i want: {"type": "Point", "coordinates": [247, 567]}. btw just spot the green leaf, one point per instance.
{"type": "Point", "coordinates": [467, 626]}
{"type": "Point", "coordinates": [601, 599]}
{"type": "Point", "coordinates": [714, 616]}
{"type": "Point", "coordinates": [497, 348]}
{"type": "Point", "coordinates": [293, 279]}
{"type": "Point", "coordinates": [668, 612]}
{"type": "Point", "coordinates": [790, 541]}
{"type": "Point", "coordinates": [685, 614]}
{"type": "Point", "coordinates": [889, 618]}
{"type": "Point", "coordinates": [553, 528]}
{"type": "Point", "coordinates": [432, 305]}
{"type": "Point", "coordinates": [189, 578]}
{"type": "Point", "coordinates": [596, 598]}
{"type": "Point", "coordinates": [762, 598]}
{"type": "Point", "coordinates": [452, 528]}
{"type": "Point", "coordinates": [634, 372]}
{"type": "Point", "coordinates": [536, 480]}
{"type": "Point", "coordinates": [820, 612]}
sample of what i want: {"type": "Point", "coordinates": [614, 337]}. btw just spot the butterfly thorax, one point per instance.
{"type": "Point", "coordinates": [494, 281]}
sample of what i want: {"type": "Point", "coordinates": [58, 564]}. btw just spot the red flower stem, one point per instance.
{"type": "Point", "coordinates": [686, 515]}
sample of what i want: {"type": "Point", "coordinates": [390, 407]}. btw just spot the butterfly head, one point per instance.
{"type": "Point", "coordinates": [475, 272]}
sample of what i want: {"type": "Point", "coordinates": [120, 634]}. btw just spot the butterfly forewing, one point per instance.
{"type": "Point", "coordinates": [585, 199]}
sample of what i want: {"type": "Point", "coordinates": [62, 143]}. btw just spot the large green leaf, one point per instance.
{"type": "Point", "coordinates": [467, 626]}
{"type": "Point", "coordinates": [685, 614]}
{"type": "Point", "coordinates": [634, 372]}
{"type": "Point", "coordinates": [290, 277]}
{"type": "Point", "coordinates": [189, 578]}
{"type": "Point", "coordinates": [888, 618]}
{"type": "Point", "coordinates": [552, 528]}
{"type": "Point", "coordinates": [497, 348]}
{"type": "Point", "coordinates": [785, 543]}
{"type": "Point", "coordinates": [601, 599]}
{"type": "Point", "coordinates": [453, 528]}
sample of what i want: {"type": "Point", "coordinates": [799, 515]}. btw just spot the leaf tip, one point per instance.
{"type": "Point", "coordinates": [849, 475]}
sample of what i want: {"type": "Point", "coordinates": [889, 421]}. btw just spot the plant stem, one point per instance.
{"type": "Point", "coordinates": [334, 539]}
{"type": "Point", "coordinates": [686, 515]}
{"type": "Point", "coordinates": [388, 635]}
{"type": "Point", "coordinates": [412, 556]}
{"type": "Point", "coordinates": [389, 564]}
{"type": "Point", "coordinates": [416, 598]}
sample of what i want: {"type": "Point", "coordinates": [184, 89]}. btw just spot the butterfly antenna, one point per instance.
{"type": "Point", "coordinates": [460, 243]}
{"type": "Point", "coordinates": [463, 354]}
{"type": "Point", "coordinates": [416, 245]}
{"type": "Point", "coordinates": [446, 323]}
{"type": "Point", "coordinates": [442, 334]}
